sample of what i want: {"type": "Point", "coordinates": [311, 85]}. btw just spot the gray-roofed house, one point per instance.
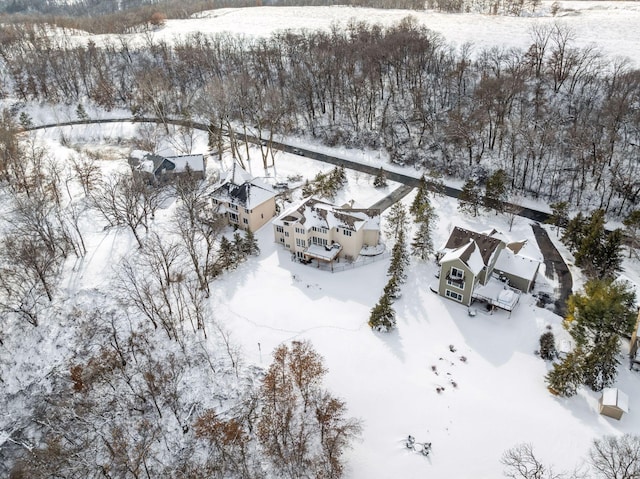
{"type": "Point", "coordinates": [162, 168]}
{"type": "Point", "coordinates": [316, 230]}
{"type": "Point", "coordinates": [484, 266]}
{"type": "Point", "coordinates": [247, 202]}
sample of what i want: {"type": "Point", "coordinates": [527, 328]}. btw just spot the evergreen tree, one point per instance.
{"type": "Point", "coordinates": [392, 289]}
{"type": "Point", "coordinates": [469, 198]}
{"type": "Point", "coordinates": [226, 255]}
{"type": "Point", "coordinates": [596, 252]}
{"type": "Point", "coordinates": [250, 244]}
{"type": "Point", "coordinates": [574, 232]}
{"type": "Point", "coordinates": [566, 376]}
{"type": "Point", "coordinates": [339, 176]}
{"type": "Point", "coordinates": [606, 308]}
{"type": "Point", "coordinates": [396, 221]}
{"type": "Point", "coordinates": [548, 346]}
{"type": "Point", "coordinates": [559, 215]}
{"type": "Point", "coordinates": [596, 319]}
{"type": "Point", "coordinates": [495, 193]}
{"type": "Point", "coordinates": [383, 316]}
{"type": "Point", "coordinates": [421, 199]}
{"type": "Point", "coordinates": [25, 120]}
{"type": "Point", "coordinates": [380, 181]}
{"type": "Point", "coordinates": [81, 112]}
{"type": "Point", "coordinates": [600, 364]}
{"type": "Point", "coordinates": [399, 259]}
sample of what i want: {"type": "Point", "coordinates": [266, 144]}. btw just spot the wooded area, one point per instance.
{"type": "Point", "coordinates": [561, 121]}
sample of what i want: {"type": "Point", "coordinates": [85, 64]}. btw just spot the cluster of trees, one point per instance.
{"type": "Point", "coordinates": [135, 406]}
{"type": "Point", "coordinates": [596, 320]}
{"type": "Point", "coordinates": [560, 121]}
{"type": "Point", "coordinates": [326, 185]}
{"type": "Point", "coordinates": [596, 251]}
{"type": "Point", "coordinates": [610, 457]}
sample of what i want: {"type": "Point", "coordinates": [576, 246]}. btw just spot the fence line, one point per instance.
{"type": "Point", "coordinates": [361, 261]}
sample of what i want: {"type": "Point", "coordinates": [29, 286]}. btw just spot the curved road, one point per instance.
{"type": "Point", "coordinates": [555, 265]}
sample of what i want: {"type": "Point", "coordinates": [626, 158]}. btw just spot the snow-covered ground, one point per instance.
{"type": "Point", "coordinates": [494, 396]}
{"type": "Point", "coordinates": [493, 399]}
{"type": "Point", "coordinates": [611, 26]}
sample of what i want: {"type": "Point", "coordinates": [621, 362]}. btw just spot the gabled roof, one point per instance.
{"type": "Point", "coordinates": [517, 264]}
{"type": "Point", "coordinates": [239, 188]}
{"type": "Point", "coordinates": [181, 162]}
{"type": "Point", "coordinates": [313, 212]}
{"type": "Point", "coordinates": [469, 254]}
{"type": "Point", "coordinates": [487, 245]}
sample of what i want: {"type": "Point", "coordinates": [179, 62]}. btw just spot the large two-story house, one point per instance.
{"type": "Point", "coordinates": [246, 202]}
{"type": "Point", "coordinates": [484, 266]}
{"type": "Point", "coordinates": [316, 230]}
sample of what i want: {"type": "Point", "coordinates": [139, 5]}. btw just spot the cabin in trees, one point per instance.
{"type": "Point", "coordinates": [163, 168]}
{"type": "Point", "coordinates": [485, 267]}
{"type": "Point", "coordinates": [246, 202]}
{"type": "Point", "coordinates": [316, 230]}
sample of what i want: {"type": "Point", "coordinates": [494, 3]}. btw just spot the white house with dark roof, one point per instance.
{"type": "Point", "coordinates": [316, 230]}
{"type": "Point", "coordinates": [247, 202]}
{"type": "Point", "coordinates": [163, 167]}
{"type": "Point", "coordinates": [485, 266]}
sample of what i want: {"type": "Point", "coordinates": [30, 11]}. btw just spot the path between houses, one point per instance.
{"type": "Point", "coordinates": [555, 268]}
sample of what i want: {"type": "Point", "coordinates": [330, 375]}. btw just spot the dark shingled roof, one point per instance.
{"type": "Point", "coordinates": [460, 237]}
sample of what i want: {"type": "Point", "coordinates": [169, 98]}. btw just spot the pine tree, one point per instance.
{"type": "Point", "coordinates": [566, 376]}
{"type": "Point", "coordinates": [548, 346]}
{"type": "Point", "coordinates": [383, 316]}
{"type": "Point", "coordinates": [469, 198]}
{"type": "Point", "coordinates": [422, 198]}
{"type": "Point", "coordinates": [380, 181]}
{"type": "Point", "coordinates": [399, 259]}
{"type": "Point", "coordinates": [559, 215]}
{"type": "Point", "coordinates": [396, 221]}
{"type": "Point", "coordinates": [496, 191]}
{"type": "Point", "coordinates": [574, 232]}
{"type": "Point", "coordinates": [596, 319]}
{"type": "Point", "coordinates": [425, 219]}
{"type": "Point", "coordinates": [600, 365]}
{"type": "Point", "coordinates": [250, 244]}
{"type": "Point", "coordinates": [392, 289]}
{"type": "Point", "coordinates": [226, 255]}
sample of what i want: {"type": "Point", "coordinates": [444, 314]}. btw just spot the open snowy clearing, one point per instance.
{"type": "Point", "coordinates": [611, 26]}
{"type": "Point", "coordinates": [494, 393]}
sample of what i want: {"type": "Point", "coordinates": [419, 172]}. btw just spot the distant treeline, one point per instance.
{"type": "Point", "coordinates": [126, 16]}
{"type": "Point", "coordinates": [562, 121]}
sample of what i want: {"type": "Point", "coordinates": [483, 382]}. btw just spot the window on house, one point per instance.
{"type": "Point", "coordinates": [455, 283]}
{"type": "Point", "coordinates": [286, 233]}
{"type": "Point", "coordinates": [300, 230]}
{"type": "Point", "coordinates": [319, 241]}
{"type": "Point", "coordinates": [346, 232]}
{"type": "Point", "coordinates": [281, 240]}
{"type": "Point", "coordinates": [457, 273]}
{"type": "Point", "coordinates": [300, 242]}
{"type": "Point", "coordinates": [233, 207]}
{"type": "Point", "coordinates": [247, 211]}
{"type": "Point", "coordinates": [280, 229]}
{"type": "Point", "coordinates": [245, 221]}
{"type": "Point", "coordinates": [453, 295]}
{"type": "Point", "coordinates": [233, 217]}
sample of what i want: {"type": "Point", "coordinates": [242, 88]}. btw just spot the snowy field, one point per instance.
{"type": "Point", "coordinates": [494, 393]}
{"type": "Point", "coordinates": [611, 26]}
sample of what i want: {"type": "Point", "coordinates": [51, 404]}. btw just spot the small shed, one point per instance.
{"type": "Point", "coordinates": [613, 403]}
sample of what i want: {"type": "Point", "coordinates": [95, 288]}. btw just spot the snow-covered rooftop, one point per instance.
{"type": "Point", "coordinates": [516, 264]}
{"type": "Point", "coordinates": [194, 162]}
